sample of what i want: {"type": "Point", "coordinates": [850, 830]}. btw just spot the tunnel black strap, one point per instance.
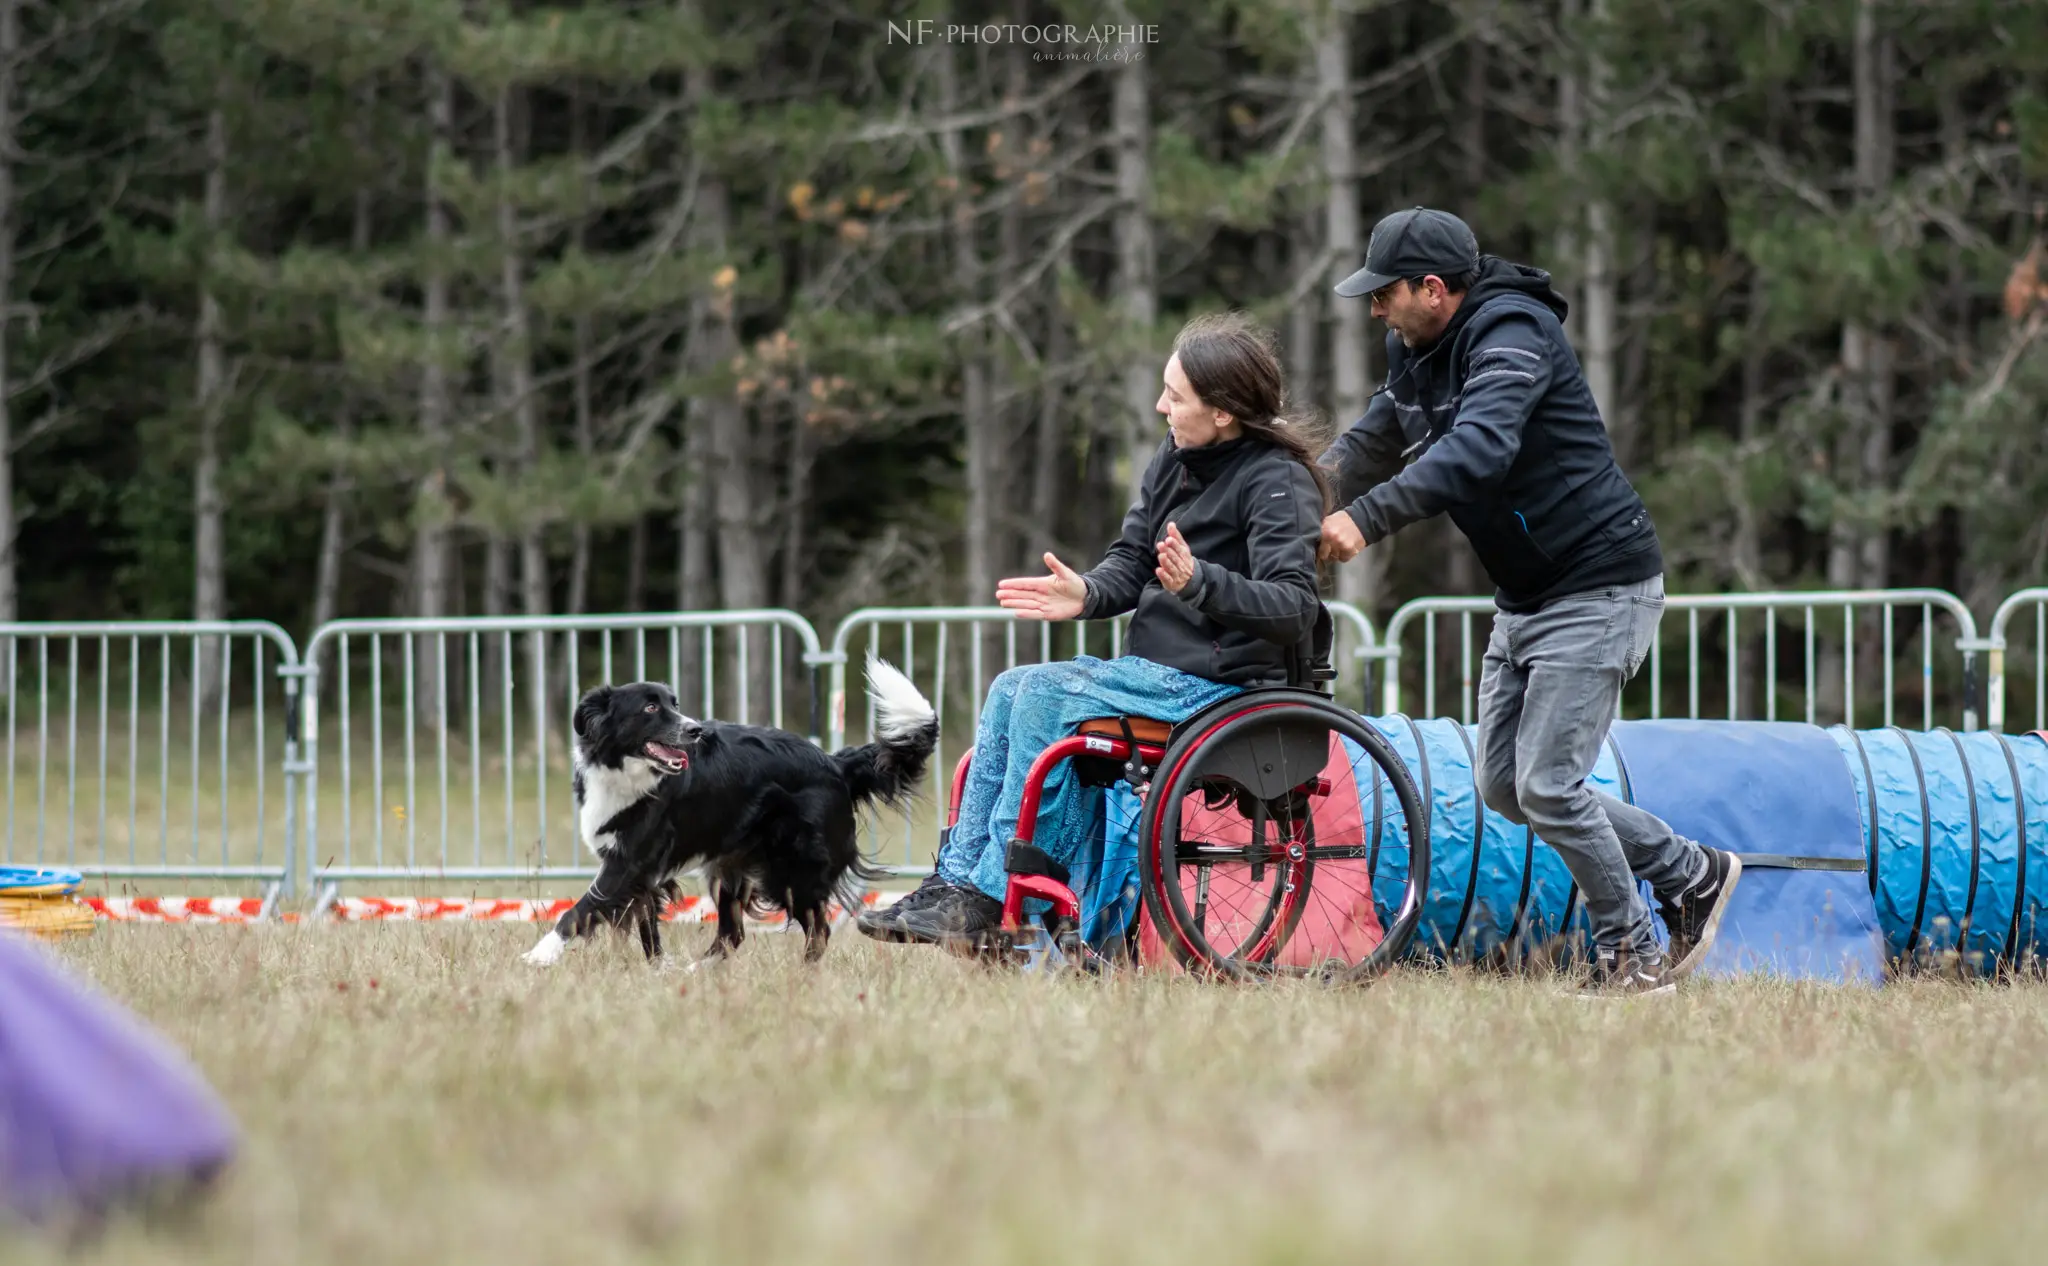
{"type": "Point", "coordinates": [1478, 841]}
{"type": "Point", "coordinates": [1784, 861]}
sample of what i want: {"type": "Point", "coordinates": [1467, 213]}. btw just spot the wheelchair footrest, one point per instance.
{"type": "Point", "coordinates": [1065, 905]}
{"type": "Point", "coordinates": [1029, 859]}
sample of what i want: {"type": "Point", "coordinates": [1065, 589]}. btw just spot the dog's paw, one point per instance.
{"type": "Point", "coordinates": [547, 953]}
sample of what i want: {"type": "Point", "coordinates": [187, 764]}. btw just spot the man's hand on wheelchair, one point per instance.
{"type": "Point", "coordinates": [1055, 597]}
{"type": "Point", "coordinates": [1341, 539]}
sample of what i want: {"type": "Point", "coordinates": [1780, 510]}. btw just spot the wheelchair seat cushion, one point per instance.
{"type": "Point", "coordinates": [1143, 729]}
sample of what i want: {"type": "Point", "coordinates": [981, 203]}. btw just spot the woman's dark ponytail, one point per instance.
{"type": "Point", "coordinates": [1233, 364]}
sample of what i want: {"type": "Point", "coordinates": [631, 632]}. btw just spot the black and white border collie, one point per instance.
{"type": "Point", "coordinates": [766, 815]}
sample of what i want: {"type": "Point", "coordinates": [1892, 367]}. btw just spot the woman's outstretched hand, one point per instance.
{"type": "Point", "coordinates": [1176, 561]}
{"type": "Point", "coordinates": [1055, 597]}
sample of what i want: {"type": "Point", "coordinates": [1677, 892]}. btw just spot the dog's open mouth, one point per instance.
{"type": "Point", "coordinates": [673, 760]}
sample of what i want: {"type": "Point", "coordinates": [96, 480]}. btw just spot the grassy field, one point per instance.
{"type": "Point", "coordinates": [412, 1093]}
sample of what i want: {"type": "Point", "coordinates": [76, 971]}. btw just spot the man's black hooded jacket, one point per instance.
{"type": "Point", "coordinates": [1505, 438]}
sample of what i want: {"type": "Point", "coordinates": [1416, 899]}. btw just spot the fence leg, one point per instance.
{"type": "Point", "coordinates": [1994, 685]}
{"type": "Point", "coordinates": [817, 682]}
{"type": "Point", "coordinates": [819, 661]}
{"type": "Point", "coordinates": [1969, 646]}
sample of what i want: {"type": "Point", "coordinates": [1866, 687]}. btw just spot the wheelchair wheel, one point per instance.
{"type": "Point", "coordinates": [1282, 835]}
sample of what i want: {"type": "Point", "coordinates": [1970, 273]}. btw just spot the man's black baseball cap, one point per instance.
{"type": "Point", "coordinates": [1413, 243]}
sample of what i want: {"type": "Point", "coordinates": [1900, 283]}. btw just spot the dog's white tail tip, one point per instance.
{"type": "Point", "coordinates": [900, 707]}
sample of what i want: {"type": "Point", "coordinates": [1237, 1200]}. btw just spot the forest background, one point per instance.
{"type": "Point", "coordinates": [319, 308]}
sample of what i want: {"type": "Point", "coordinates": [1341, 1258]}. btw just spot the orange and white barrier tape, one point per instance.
{"type": "Point", "coordinates": [690, 909]}
{"type": "Point", "coordinates": [448, 909]}
{"type": "Point", "coordinates": [177, 909]}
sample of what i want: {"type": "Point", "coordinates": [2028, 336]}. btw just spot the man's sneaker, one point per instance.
{"type": "Point", "coordinates": [1622, 975]}
{"type": "Point", "coordinates": [1695, 916]}
{"type": "Point", "coordinates": [950, 915]}
{"type": "Point", "coordinates": [882, 923]}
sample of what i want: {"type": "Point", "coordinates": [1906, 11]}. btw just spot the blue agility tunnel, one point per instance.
{"type": "Point", "coordinates": [1955, 827]}
{"type": "Point", "coordinates": [1860, 848]}
{"type": "Point", "coordinates": [1779, 794]}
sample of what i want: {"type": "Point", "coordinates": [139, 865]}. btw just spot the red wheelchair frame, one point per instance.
{"type": "Point", "coordinates": [1023, 885]}
{"type": "Point", "coordinates": [1116, 752]}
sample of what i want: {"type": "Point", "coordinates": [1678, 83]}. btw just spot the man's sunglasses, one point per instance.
{"type": "Point", "coordinates": [1386, 292]}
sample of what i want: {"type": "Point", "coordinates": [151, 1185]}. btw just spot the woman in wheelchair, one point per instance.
{"type": "Point", "coordinates": [1217, 563]}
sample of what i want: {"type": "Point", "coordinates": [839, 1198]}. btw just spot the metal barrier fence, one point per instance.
{"type": "Point", "coordinates": [1357, 650]}
{"type": "Point", "coordinates": [518, 678]}
{"type": "Point", "coordinates": [1742, 660]}
{"type": "Point", "coordinates": [954, 653]}
{"type": "Point", "coordinates": [1998, 658]}
{"type": "Point", "coordinates": [445, 742]}
{"type": "Point", "coordinates": [223, 808]}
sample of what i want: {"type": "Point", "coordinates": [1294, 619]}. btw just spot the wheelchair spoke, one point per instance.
{"type": "Point", "coordinates": [1242, 801]}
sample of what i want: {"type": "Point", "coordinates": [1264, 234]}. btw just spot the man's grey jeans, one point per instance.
{"type": "Point", "coordinates": [1547, 696]}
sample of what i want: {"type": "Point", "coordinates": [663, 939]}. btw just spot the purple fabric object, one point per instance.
{"type": "Point", "coordinates": [94, 1105]}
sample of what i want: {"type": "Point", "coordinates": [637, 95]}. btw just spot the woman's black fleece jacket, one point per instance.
{"type": "Point", "coordinates": [1252, 517]}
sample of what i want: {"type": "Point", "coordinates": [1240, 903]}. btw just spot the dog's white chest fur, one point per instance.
{"type": "Point", "coordinates": [608, 792]}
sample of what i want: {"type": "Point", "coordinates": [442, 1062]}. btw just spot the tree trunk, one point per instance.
{"type": "Point", "coordinates": [1571, 126]}
{"type": "Point", "coordinates": [498, 582]}
{"type": "Point", "coordinates": [1754, 676]}
{"type": "Point", "coordinates": [586, 434]}
{"type": "Point", "coordinates": [1049, 463]}
{"type": "Point", "coordinates": [734, 482]}
{"type": "Point", "coordinates": [1748, 543]}
{"type": "Point", "coordinates": [327, 568]}
{"type": "Point", "coordinates": [1136, 279]}
{"type": "Point", "coordinates": [742, 551]}
{"type": "Point", "coordinates": [1362, 582]}
{"type": "Point", "coordinates": [518, 399]}
{"type": "Point", "coordinates": [1462, 569]}
{"type": "Point", "coordinates": [1598, 293]}
{"type": "Point", "coordinates": [693, 548]}
{"type": "Point", "coordinates": [1300, 234]}
{"type": "Point", "coordinates": [1872, 362]}
{"type": "Point", "coordinates": [1052, 465]}
{"type": "Point", "coordinates": [209, 598]}
{"type": "Point", "coordinates": [430, 532]}
{"type": "Point", "coordinates": [1305, 319]}
{"type": "Point", "coordinates": [1858, 549]}
{"type": "Point", "coordinates": [1010, 499]}
{"type": "Point", "coordinates": [983, 428]}
{"type": "Point", "coordinates": [1472, 122]}
{"type": "Point", "coordinates": [497, 601]}
{"type": "Point", "coordinates": [636, 565]}
{"type": "Point", "coordinates": [694, 575]}
{"type": "Point", "coordinates": [1956, 569]}
{"type": "Point", "coordinates": [586, 449]}
{"type": "Point", "coordinates": [796, 502]}
{"type": "Point", "coordinates": [1589, 245]}
{"type": "Point", "coordinates": [333, 510]}
{"type": "Point", "coordinates": [693, 524]}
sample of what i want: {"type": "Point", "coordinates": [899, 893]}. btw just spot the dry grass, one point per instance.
{"type": "Point", "coordinates": [899, 1107]}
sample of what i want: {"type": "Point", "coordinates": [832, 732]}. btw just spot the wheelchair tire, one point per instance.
{"type": "Point", "coordinates": [1266, 751]}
